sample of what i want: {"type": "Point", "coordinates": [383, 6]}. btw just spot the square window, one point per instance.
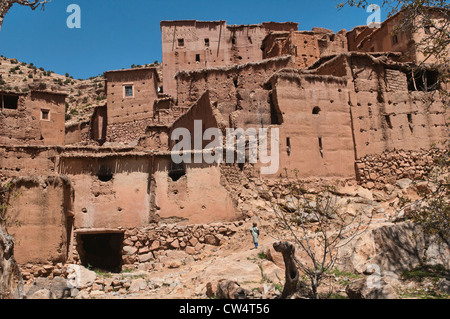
{"type": "Point", "coordinates": [45, 115]}
{"type": "Point", "coordinates": [128, 91]}
{"type": "Point", "coordinates": [181, 42]}
{"type": "Point", "coordinates": [9, 101]}
{"type": "Point", "coordinates": [207, 42]}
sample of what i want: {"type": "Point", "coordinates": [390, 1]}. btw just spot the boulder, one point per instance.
{"type": "Point", "coordinates": [138, 285]}
{"type": "Point", "coordinates": [227, 289]}
{"type": "Point", "coordinates": [444, 286]}
{"type": "Point", "coordinates": [11, 282]}
{"type": "Point", "coordinates": [370, 288]}
{"type": "Point", "coordinates": [404, 183]}
{"type": "Point", "coordinates": [42, 294]}
{"type": "Point", "coordinates": [129, 250]}
{"type": "Point", "coordinates": [80, 277]}
{"type": "Point", "coordinates": [239, 271]}
{"type": "Point", "coordinates": [393, 247]}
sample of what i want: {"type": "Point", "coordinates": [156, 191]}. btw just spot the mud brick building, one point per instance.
{"type": "Point", "coordinates": [101, 191]}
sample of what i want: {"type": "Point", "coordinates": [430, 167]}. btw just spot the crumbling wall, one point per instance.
{"type": "Point", "coordinates": [386, 116]}
{"type": "Point", "coordinates": [200, 111]}
{"type": "Point", "coordinates": [156, 138]}
{"type": "Point", "coordinates": [237, 92]}
{"type": "Point", "coordinates": [386, 38]}
{"type": "Point", "coordinates": [39, 219]}
{"type": "Point", "coordinates": [78, 133]}
{"type": "Point", "coordinates": [306, 46]}
{"type": "Point", "coordinates": [191, 45]}
{"type": "Point", "coordinates": [28, 161]}
{"type": "Point", "coordinates": [127, 132]}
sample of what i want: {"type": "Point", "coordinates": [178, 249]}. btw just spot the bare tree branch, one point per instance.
{"type": "Point", "coordinates": [5, 6]}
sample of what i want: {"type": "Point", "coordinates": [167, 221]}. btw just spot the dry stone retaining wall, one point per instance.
{"type": "Point", "coordinates": [141, 245]}
{"type": "Point", "coordinates": [374, 171]}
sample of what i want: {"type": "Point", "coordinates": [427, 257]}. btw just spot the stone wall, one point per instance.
{"type": "Point", "coordinates": [373, 171]}
{"type": "Point", "coordinates": [145, 246]}
{"type": "Point", "coordinates": [127, 132]}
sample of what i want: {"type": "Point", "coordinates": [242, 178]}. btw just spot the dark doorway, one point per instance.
{"type": "Point", "coordinates": [101, 251]}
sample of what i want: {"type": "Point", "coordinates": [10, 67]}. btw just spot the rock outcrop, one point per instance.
{"type": "Point", "coordinates": [11, 284]}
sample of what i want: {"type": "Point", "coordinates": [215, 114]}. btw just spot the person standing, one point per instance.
{"type": "Point", "coordinates": [255, 234]}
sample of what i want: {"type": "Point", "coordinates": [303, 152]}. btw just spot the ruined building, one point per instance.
{"type": "Point", "coordinates": [100, 192]}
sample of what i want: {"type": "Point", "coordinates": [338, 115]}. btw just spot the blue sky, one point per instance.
{"type": "Point", "coordinates": [115, 34]}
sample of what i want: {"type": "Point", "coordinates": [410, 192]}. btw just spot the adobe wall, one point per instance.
{"type": "Point", "coordinates": [321, 144]}
{"type": "Point", "coordinates": [306, 46]}
{"type": "Point", "coordinates": [237, 91]}
{"type": "Point", "coordinates": [198, 197]}
{"type": "Point", "coordinates": [28, 161]}
{"type": "Point", "coordinates": [40, 220]}
{"type": "Point", "coordinates": [127, 116]}
{"type": "Point", "coordinates": [201, 110]}
{"type": "Point", "coordinates": [156, 138]}
{"type": "Point", "coordinates": [78, 132]}
{"type": "Point", "coordinates": [209, 44]}
{"type": "Point", "coordinates": [123, 108]}
{"type": "Point", "coordinates": [109, 191]}
{"type": "Point", "coordinates": [386, 116]}
{"type": "Point", "coordinates": [25, 125]}
{"type": "Point", "coordinates": [394, 36]}
{"type": "Point", "coordinates": [382, 40]}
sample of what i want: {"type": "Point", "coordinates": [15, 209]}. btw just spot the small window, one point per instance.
{"type": "Point", "coordinates": [320, 147]}
{"type": "Point", "coordinates": [316, 110]}
{"type": "Point", "coordinates": [410, 123]}
{"type": "Point", "coordinates": [197, 58]}
{"type": "Point", "coordinates": [207, 42]}
{"type": "Point", "coordinates": [181, 42]}
{"type": "Point", "coordinates": [128, 90]}
{"type": "Point", "coordinates": [388, 121]}
{"type": "Point", "coordinates": [394, 39]}
{"type": "Point", "coordinates": [427, 29]}
{"type": "Point", "coordinates": [176, 171]}
{"type": "Point", "coordinates": [288, 146]}
{"type": "Point", "coordinates": [233, 40]}
{"type": "Point", "coordinates": [45, 115]}
{"type": "Point", "coordinates": [105, 174]}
